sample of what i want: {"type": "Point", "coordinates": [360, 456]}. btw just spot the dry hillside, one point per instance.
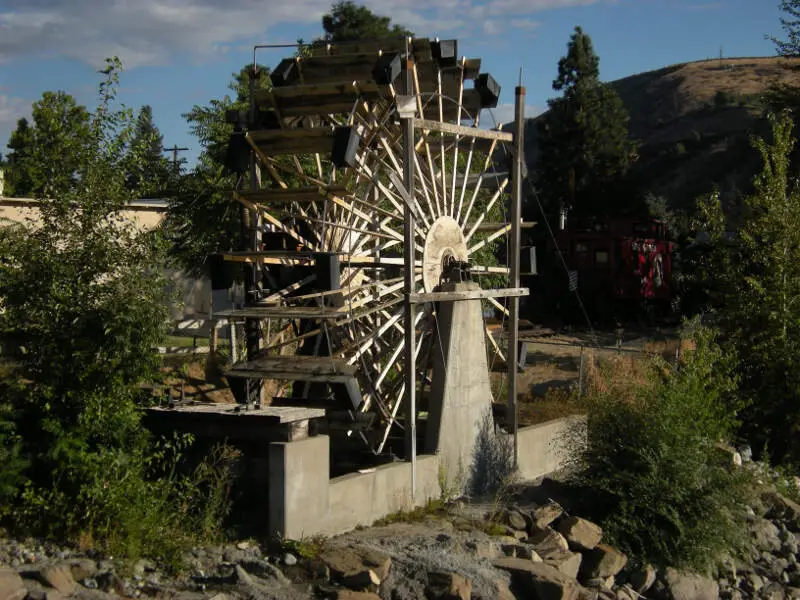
{"type": "Point", "coordinates": [693, 122]}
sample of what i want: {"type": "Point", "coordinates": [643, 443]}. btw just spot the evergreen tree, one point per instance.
{"type": "Point", "coordinates": [149, 176]}
{"type": "Point", "coordinates": [584, 140]}
{"type": "Point", "coordinates": [17, 176]}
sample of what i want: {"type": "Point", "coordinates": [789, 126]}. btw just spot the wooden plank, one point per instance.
{"type": "Point", "coordinates": [282, 312]}
{"type": "Point", "coordinates": [273, 415]}
{"type": "Point", "coordinates": [420, 47]}
{"type": "Point", "coordinates": [341, 88]}
{"type": "Point", "coordinates": [453, 129]}
{"type": "Point", "coordinates": [467, 295]}
{"type": "Point", "coordinates": [472, 68]}
{"type": "Point", "coordinates": [274, 142]}
{"type": "Point", "coordinates": [286, 195]}
{"type": "Point", "coordinates": [495, 226]}
{"type": "Point", "coordinates": [338, 67]}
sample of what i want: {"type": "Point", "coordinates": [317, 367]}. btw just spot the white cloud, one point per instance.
{"type": "Point", "coordinates": [12, 109]}
{"type": "Point", "coordinates": [146, 32]}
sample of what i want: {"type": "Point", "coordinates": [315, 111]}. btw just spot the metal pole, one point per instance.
{"type": "Point", "coordinates": [253, 239]}
{"type": "Point", "coordinates": [514, 243]}
{"type": "Point", "coordinates": [408, 308]}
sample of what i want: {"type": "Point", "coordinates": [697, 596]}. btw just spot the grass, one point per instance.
{"type": "Point", "coordinates": [433, 508]}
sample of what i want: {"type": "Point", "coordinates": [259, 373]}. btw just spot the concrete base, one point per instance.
{"type": "Point", "coordinates": [460, 392]}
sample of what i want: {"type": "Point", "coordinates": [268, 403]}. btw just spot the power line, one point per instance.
{"type": "Point", "coordinates": [175, 149]}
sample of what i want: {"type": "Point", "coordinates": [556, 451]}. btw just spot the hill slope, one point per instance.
{"type": "Point", "coordinates": [693, 122]}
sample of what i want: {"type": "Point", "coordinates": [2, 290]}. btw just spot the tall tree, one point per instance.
{"type": "Point", "coordinates": [754, 278]}
{"type": "Point", "coordinates": [584, 140]}
{"type": "Point", "coordinates": [348, 22]}
{"type": "Point", "coordinates": [149, 174]}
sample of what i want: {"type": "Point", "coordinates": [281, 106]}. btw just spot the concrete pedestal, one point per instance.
{"type": "Point", "coordinates": [460, 393]}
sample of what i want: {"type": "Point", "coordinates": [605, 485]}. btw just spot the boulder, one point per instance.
{"type": "Point", "coordinates": [546, 541]}
{"type": "Point", "coordinates": [11, 586]}
{"type": "Point", "coordinates": [82, 568]}
{"type": "Point", "coordinates": [781, 507]}
{"type": "Point", "coordinates": [485, 548]}
{"type": "Point", "coordinates": [350, 561]}
{"type": "Point", "coordinates": [351, 595]}
{"type": "Point", "coordinates": [516, 521]}
{"type": "Point", "coordinates": [642, 579]}
{"type": "Point", "coordinates": [58, 577]}
{"type": "Point", "coordinates": [602, 561]}
{"type": "Point", "coordinates": [546, 514]}
{"type": "Point", "coordinates": [264, 570]}
{"type": "Point", "coordinates": [689, 586]}
{"type": "Point", "coordinates": [449, 586]}
{"type": "Point", "coordinates": [765, 535]}
{"type": "Point", "coordinates": [580, 533]}
{"type": "Point", "coordinates": [539, 580]}
{"type": "Point", "coordinates": [569, 563]}
{"type": "Point", "coordinates": [364, 580]}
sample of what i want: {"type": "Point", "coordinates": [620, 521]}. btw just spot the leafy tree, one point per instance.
{"type": "Point", "coordinates": [584, 140]}
{"type": "Point", "coordinates": [791, 26]}
{"type": "Point", "coordinates": [202, 218]}
{"type": "Point", "coordinates": [754, 278]}
{"type": "Point", "coordinates": [84, 306]}
{"type": "Point", "coordinates": [348, 22]}
{"type": "Point", "coordinates": [148, 176]}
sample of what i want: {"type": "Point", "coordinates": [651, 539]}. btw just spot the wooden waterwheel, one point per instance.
{"type": "Point", "coordinates": [328, 209]}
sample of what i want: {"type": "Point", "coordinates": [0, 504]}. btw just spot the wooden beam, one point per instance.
{"type": "Point", "coordinates": [301, 368]}
{"type": "Point", "coordinates": [453, 129]}
{"type": "Point", "coordinates": [496, 226]}
{"type": "Point", "coordinates": [274, 142]}
{"type": "Point", "coordinates": [470, 295]}
{"type": "Point", "coordinates": [286, 195]}
{"type": "Point", "coordinates": [282, 312]}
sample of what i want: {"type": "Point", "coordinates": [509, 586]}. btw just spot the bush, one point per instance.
{"type": "Point", "coordinates": [84, 306]}
{"type": "Point", "coordinates": [660, 486]}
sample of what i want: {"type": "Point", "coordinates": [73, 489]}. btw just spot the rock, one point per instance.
{"type": "Point", "coordinates": [765, 534]}
{"type": "Point", "coordinates": [264, 570]}
{"type": "Point", "coordinates": [501, 591]}
{"type": "Point", "coordinates": [58, 577]}
{"type": "Point", "coordinates": [351, 595]}
{"type": "Point", "coordinates": [245, 545]}
{"type": "Point", "coordinates": [539, 580]}
{"type": "Point", "coordinates": [364, 580]}
{"type": "Point", "coordinates": [546, 541]}
{"type": "Point", "coordinates": [242, 576]}
{"type": "Point", "coordinates": [82, 568]}
{"type": "Point", "coordinates": [772, 591]}
{"type": "Point", "coordinates": [289, 559]}
{"type": "Point", "coordinates": [515, 520]}
{"type": "Point", "coordinates": [792, 592]}
{"type": "Point", "coordinates": [449, 586]}
{"type": "Point", "coordinates": [546, 514]}
{"type": "Point", "coordinates": [580, 533]}
{"type": "Point", "coordinates": [626, 593]}
{"type": "Point", "coordinates": [602, 561]}
{"type": "Point", "coordinates": [111, 581]}
{"type": "Point", "coordinates": [603, 583]}
{"type": "Point", "coordinates": [569, 563]}
{"type": "Point", "coordinates": [485, 548]}
{"type": "Point", "coordinates": [642, 579]}
{"type": "Point", "coordinates": [11, 586]}
{"type": "Point", "coordinates": [689, 586]}
{"type": "Point", "coordinates": [347, 561]}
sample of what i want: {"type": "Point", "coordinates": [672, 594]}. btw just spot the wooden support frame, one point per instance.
{"type": "Point", "coordinates": [470, 132]}
{"type": "Point", "coordinates": [468, 295]}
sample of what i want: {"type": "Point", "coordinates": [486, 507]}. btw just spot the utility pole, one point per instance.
{"type": "Point", "coordinates": [175, 149]}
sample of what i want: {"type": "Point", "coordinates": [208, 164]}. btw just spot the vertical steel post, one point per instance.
{"type": "Point", "coordinates": [253, 239]}
{"type": "Point", "coordinates": [409, 226]}
{"type": "Point", "coordinates": [514, 246]}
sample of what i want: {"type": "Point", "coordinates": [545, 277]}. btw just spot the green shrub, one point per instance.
{"type": "Point", "coordinates": [660, 486]}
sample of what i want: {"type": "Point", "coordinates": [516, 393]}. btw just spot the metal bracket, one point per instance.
{"type": "Point", "coordinates": [406, 106]}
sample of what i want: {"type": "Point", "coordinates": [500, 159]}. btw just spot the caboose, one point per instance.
{"type": "Point", "coordinates": [619, 265]}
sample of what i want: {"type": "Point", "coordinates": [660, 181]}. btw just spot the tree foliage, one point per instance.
{"type": "Point", "coordinates": [584, 140]}
{"type": "Point", "coordinates": [348, 22]}
{"type": "Point", "coordinates": [149, 175]}
{"type": "Point", "coordinates": [754, 279]}
{"type": "Point", "coordinates": [84, 307]}
{"type": "Point", "coordinates": [202, 219]}
{"type": "Point", "coordinates": [656, 480]}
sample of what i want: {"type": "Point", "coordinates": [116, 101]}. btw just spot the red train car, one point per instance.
{"type": "Point", "coordinates": [619, 266]}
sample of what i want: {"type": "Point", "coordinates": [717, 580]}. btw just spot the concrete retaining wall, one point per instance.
{"type": "Point", "coordinates": [303, 501]}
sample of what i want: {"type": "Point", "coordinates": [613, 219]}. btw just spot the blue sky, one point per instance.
{"type": "Point", "coordinates": [178, 53]}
